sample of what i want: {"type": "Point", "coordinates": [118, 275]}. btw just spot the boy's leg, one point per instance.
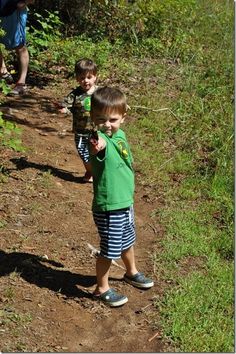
{"type": "Point", "coordinates": [88, 167]}
{"type": "Point", "coordinates": [81, 143]}
{"type": "Point", "coordinates": [132, 275]}
{"type": "Point", "coordinates": [129, 261]}
{"type": "Point", "coordinates": [88, 174]}
{"type": "Point", "coordinates": [109, 244]}
{"type": "Point", "coordinates": [103, 292]}
{"type": "Point", "coordinates": [102, 272]}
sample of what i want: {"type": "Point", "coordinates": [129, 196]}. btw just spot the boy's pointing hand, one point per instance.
{"type": "Point", "coordinates": [98, 145]}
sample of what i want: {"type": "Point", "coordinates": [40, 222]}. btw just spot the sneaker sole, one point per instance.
{"type": "Point", "coordinates": [139, 285]}
{"type": "Point", "coordinates": [14, 93]}
{"type": "Point", "coordinates": [117, 303]}
{"type": "Point", "coordinates": [110, 303]}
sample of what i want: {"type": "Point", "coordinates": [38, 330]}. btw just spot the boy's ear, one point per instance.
{"type": "Point", "coordinates": [123, 118]}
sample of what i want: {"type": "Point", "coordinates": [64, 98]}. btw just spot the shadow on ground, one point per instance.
{"type": "Point", "coordinates": [37, 270]}
{"type": "Point", "coordinates": [22, 163]}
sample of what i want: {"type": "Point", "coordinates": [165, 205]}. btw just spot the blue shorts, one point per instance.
{"type": "Point", "coordinates": [116, 230]}
{"type": "Point", "coordinates": [81, 142]}
{"type": "Point", "coordinates": [15, 29]}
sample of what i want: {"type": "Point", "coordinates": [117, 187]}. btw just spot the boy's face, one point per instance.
{"type": "Point", "coordinates": [86, 81]}
{"type": "Point", "coordinates": [108, 124]}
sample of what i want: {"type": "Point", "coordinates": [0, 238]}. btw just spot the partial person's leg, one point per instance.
{"type": "Point", "coordinates": [102, 272]}
{"type": "Point", "coordinates": [132, 275]}
{"type": "Point", "coordinates": [129, 261]}
{"type": "Point", "coordinates": [3, 68]}
{"type": "Point", "coordinates": [4, 73]}
{"type": "Point", "coordinates": [23, 59]}
{"type": "Point", "coordinates": [103, 292]}
{"type": "Point", "coordinates": [88, 174]}
{"type": "Point", "coordinates": [81, 143]}
{"type": "Point", "coordinates": [109, 247]}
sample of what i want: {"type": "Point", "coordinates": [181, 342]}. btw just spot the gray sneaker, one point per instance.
{"type": "Point", "coordinates": [139, 281]}
{"type": "Point", "coordinates": [7, 77]}
{"type": "Point", "coordinates": [111, 298]}
{"type": "Point", "coordinates": [19, 89]}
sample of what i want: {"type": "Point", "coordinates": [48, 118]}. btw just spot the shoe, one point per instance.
{"type": "Point", "coordinates": [111, 298]}
{"type": "Point", "coordinates": [19, 89]}
{"type": "Point", "coordinates": [139, 280]}
{"type": "Point", "coordinates": [7, 77]}
{"type": "Point", "coordinates": [87, 178]}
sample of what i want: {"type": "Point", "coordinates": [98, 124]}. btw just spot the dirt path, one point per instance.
{"type": "Point", "coordinates": [47, 271]}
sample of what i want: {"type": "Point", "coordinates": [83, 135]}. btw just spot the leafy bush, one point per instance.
{"type": "Point", "coordinates": [163, 25]}
{"type": "Point", "coordinates": [10, 135]}
{"type": "Point", "coordinates": [40, 36]}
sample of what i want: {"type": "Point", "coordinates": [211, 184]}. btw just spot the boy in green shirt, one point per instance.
{"type": "Point", "coordinates": [113, 184]}
{"type": "Point", "coordinates": [77, 102]}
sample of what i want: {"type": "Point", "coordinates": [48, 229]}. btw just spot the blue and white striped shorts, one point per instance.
{"type": "Point", "coordinates": [81, 142]}
{"type": "Point", "coordinates": [116, 230]}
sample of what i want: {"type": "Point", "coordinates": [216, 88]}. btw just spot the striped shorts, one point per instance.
{"type": "Point", "coordinates": [81, 142]}
{"type": "Point", "coordinates": [116, 230]}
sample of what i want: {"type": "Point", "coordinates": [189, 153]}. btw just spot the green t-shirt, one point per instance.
{"type": "Point", "coordinates": [113, 175]}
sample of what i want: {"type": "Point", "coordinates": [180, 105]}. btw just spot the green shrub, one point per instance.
{"type": "Point", "coordinates": [40, 36]}
{"type": "Point", "coordinates": [10, 135]}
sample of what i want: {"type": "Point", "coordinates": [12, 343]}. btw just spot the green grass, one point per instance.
{"type": "Point", "coordinates": [11, 319]}
{"type": "Point", "coordinates": [198, 312]}
{"type": "Point", "coordinates": [199, 315]}
{"type": "Point", "coordinates": [45, 179]}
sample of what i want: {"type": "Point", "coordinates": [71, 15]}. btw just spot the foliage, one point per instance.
{"type": "Point", "coordinates": [4, 87]}
{"type": "Point", "coordinates": [72, 50]}
{"type": "Point", "coordinates": [194, 148]}
{"type": "Point", "coordinates": [40, 36]}
{"type": "Point", "coordinates": [10, 135]}
{"type": "Point", "coordinates": [156, 28]}
{"type": "Point", "coordinates": [9, 132]}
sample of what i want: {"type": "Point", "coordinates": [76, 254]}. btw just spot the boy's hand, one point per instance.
{"type": "Point", "coordinates": [22, 4]}
{"type": "Point", "coordinates": [59, 106]}
{"type": "Point", "coordinates": [97, 146]}
{"type": "Point", "coordinates": [63, 110]}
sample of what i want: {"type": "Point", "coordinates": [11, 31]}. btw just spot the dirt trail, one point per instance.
{"type": "Point", "coordinates": [47, 271]}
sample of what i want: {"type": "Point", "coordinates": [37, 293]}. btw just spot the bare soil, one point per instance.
{"type": "Point", "coordinates": [47, 272]}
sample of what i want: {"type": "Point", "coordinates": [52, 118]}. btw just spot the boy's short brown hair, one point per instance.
{"type": "Point", "coordinates": [108, 99]}
{"type": "Point", "coordinates": [84, 66]}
